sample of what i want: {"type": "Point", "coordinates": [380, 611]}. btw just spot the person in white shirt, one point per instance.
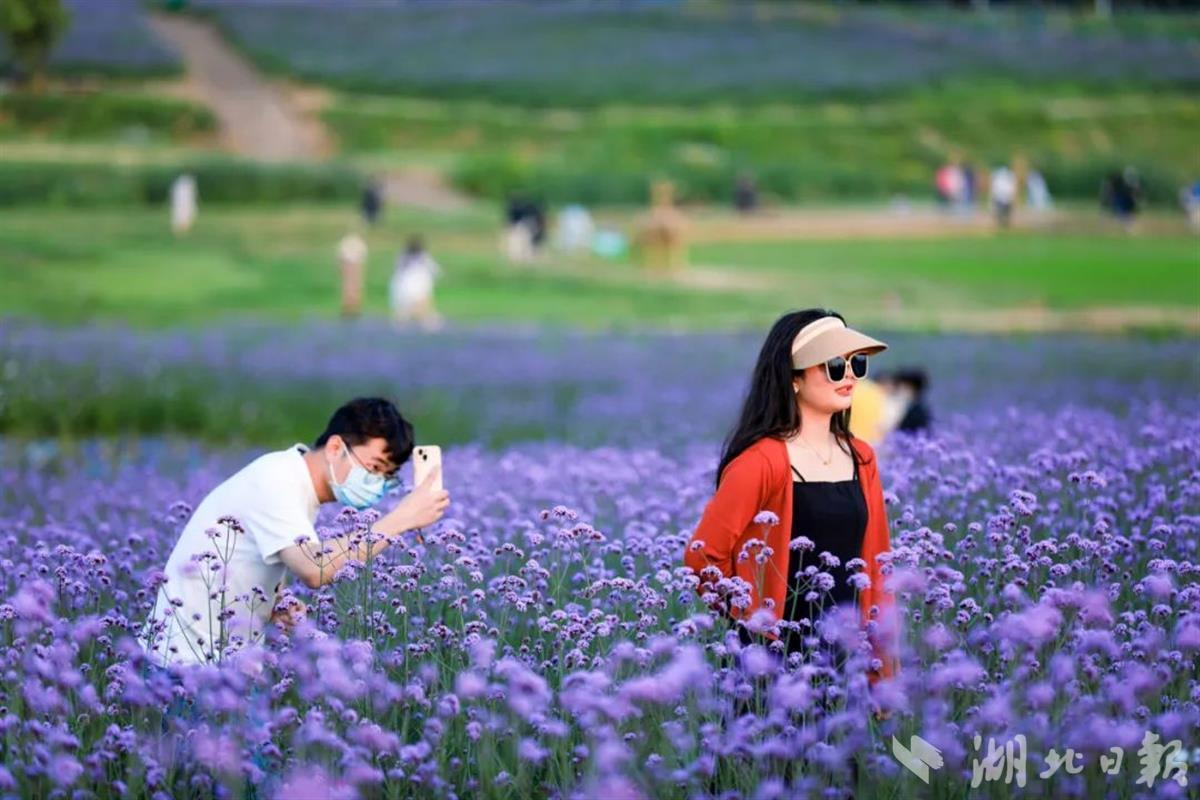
{"type": "Point", "coordinates": [1004, 194]}
{"type": "Point", "coordinates": [575, 229]}
{"type": "Point", "coordinates": [411, 288]}
{"type": "Point", "coordinates": [183, 204]}
{"type": "Point", "coordinates": [222, 580]}
{"type": "Point", "coordinates": [1037, 192]}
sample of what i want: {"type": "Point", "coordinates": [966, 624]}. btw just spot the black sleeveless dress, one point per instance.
{"type": "Point", "coordinates": [833, 514]}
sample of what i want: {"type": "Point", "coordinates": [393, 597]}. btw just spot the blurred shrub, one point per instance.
{"type": "Point", "coordinates": [1083, 179]}
{"type": "Point", "coordinates": [219, 181]}
{"type": "Point", "coordinates": [100, 115]}
{"type": "Point", "coordinates": [804, 151]}
{"type": "Point", "coordinates": [495, 175]}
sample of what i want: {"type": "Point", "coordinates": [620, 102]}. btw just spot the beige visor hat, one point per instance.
{"type": "Point", "coordinates": [822, 339]}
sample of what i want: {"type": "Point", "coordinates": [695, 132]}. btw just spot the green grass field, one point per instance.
{"type": "Point", "coordinates": [1061, 271]}
{"type": "Point", "coordinates": [69, 266]}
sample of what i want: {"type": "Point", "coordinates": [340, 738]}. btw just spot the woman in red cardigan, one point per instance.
{"type": "Point", "coordinates": [796, 491]}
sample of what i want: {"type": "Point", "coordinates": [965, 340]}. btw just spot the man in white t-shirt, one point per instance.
{"type": "Point", "coordinates": [234, 555]}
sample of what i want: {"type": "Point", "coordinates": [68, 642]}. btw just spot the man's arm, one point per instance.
{"type": "Point", "coordinates": [316, 563]}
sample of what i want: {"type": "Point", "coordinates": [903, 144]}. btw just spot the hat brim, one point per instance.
{"type": "Point", "coordinates": [835, 342]}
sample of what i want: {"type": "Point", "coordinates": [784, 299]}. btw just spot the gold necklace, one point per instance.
{"type": "Point", "coordinates": [825, 461]}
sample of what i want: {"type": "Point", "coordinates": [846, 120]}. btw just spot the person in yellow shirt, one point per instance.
{"type": "Point", "coordinates": [867, 411]}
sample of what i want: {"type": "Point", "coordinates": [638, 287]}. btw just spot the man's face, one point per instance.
{"type": "Point", "coordinates": [371, 454]}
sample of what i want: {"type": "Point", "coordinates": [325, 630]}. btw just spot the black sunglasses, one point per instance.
{"type": "Point", "coordinates": [835, 368]}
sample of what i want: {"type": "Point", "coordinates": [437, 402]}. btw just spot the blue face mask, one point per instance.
{"type": "Point", "coordinates": [362, 488]}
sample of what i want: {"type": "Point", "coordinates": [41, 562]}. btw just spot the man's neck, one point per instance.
{"type": "Point", "coordinates": [318, 473]}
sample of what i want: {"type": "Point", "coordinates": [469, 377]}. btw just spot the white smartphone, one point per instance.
{"type": "Point", "coordinates": [425, 459]}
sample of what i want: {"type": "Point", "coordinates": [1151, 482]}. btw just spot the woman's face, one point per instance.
{"type": "Point", "coordinates": [815, 390]}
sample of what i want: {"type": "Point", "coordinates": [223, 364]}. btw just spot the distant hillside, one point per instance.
{"type": "Point", "coordinates": [108, 37]}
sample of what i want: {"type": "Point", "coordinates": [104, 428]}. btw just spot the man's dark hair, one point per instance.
{"type": "Point", "coordinates": [366, 418]}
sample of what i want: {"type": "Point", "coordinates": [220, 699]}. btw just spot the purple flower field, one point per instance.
{"type": "Point", "coordinates": [545, 641]}
{"type": "Point", "coordinates": [265, 382]}
{"type": "Point", "coordinates": [551, 53]}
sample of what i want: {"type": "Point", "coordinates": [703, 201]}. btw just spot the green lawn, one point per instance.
{"type": "Point", "coordinates": [72, 265]}
{"type": "Point", "coordinates": [1055, 270]}
{"type": "Point", "coordinates": [68, 266]}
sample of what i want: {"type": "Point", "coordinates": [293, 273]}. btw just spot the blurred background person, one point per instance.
{"type": "Point", "coordinates": [352, 260]}
{"type": "Point", "coordinates": [1037, 193]}
{"type": "Point", "coordinates": [910, 386]}
{"type": "Point", "coordinates": [970, 186]}
{"type": "Point", "coordinates": [868, 411]}
{"type": "Point", "coordinates": [183, 204]}
{"type": "Point", "coordinates": [411, 288]}
{"type": "Point", "coordinates": [948, 180]}
{"type": "Point", "coordinates": [1121, 196]}
{"type": "Point", "coordinates": [575, 229]}
{"type": "Point", "coordinates": [518, 234]}
{"type": "Point", "coordinates": [1189, 198]}
{"type": "Point", "coordinates": [745, 194]}
{"type": "Point", "coordinates": [1003, 192]}
{"type": "Point", "coordinates": [526, 229]}
{"type": "Point", "coordinates": [894, 403]}
{"type": "Point", "coordinates": [371, 203]}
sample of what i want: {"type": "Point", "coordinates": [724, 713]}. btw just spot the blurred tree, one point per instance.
{"type": "Point", "coordinates": [32, 27]}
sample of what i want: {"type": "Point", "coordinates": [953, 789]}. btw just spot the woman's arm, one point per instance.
{"type": "Point", "coordinates": [738, 498]}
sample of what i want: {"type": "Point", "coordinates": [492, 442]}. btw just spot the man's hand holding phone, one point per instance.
{"type": "Point", "coordinates": [423, 506]}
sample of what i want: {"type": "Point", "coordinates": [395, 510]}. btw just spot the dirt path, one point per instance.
{"type": "Point", "coordinates": [418, 186]}
{"type": "Point", "coordinates": [266, 120]}
{"type": "Point", "coordinates": [256, 119]}
{"type": "Point", "coordinates": [854, 223]}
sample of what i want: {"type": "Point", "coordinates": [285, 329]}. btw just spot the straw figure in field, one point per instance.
{"type": "Point", "coordinates": [662, 236]}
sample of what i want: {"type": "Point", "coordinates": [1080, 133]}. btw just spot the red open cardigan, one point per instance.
{"type": "Point", "coordinates": [760, 479]}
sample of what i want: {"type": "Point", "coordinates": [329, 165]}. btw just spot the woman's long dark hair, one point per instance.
{"type": "Point", "coordinates": [770, 405]}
